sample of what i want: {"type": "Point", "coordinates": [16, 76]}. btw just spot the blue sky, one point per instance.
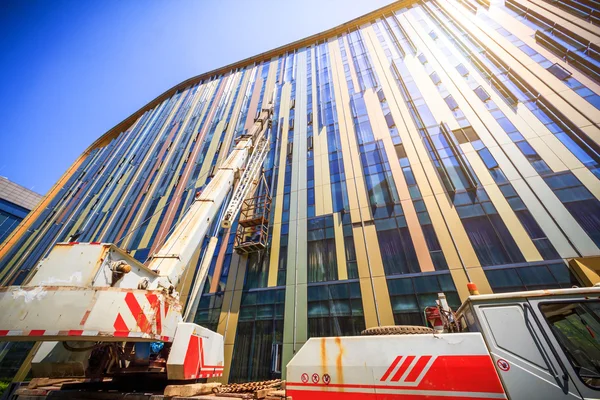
{"type": "Point", "coordinates": [72, 69]}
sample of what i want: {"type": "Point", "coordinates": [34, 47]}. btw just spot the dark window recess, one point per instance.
{"type": "Point", "coordinates": [465, 135]}
{"type": "Point", "coordinates": [435, 78]}
{"type": "Point", "coordinates": [460, 136]}
{"type": "Point", "coordinates": [462, 70]}
{"type": "Point", "coordinates": [389, 120]}
{"type": "Point", "coordinates": [309, 118]}
{"type": "Point", "coordinates": [451, 102]}
{"type": "Point", "coordinates": [559, 72]}
{"type": "Point", "coordinates": [381, 95]}
{"type": "Point", "coordinates": [422, 58]}
{"type": "Point", "coordinates": [433, 35]}
{"type": "Point", "coordinates": [291, 123]}
{"type": "Point", "coordinates": [293, 103]}
{"type": "Point", "coordinates": [481, 93]}
{"type": "Point", "coordinates": [290, 149]}
{"type": "Point", "coordinates": [309, 142]}
{"type": "Point", "coordinates": [400, 152]}
{"type": "Point", "coordinates": [470, 133]}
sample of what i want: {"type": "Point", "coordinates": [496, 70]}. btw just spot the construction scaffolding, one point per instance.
{"type": "Point", "coordinates": [253, 225]}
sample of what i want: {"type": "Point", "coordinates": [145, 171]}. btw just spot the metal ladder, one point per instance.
{"type": "Point", "coordinates": [247, 180]}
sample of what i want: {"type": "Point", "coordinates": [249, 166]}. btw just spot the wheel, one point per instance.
{"type": "Point", "coordinates": [396, 330]}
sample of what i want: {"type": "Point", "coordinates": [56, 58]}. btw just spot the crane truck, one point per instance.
{"type": "Point", "coordinates": [98, 312]}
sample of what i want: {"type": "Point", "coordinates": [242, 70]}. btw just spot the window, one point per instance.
{"type": "Point", "coordinates": [559, 72]}
{"type": "Point", "coordinates": [322, 262]}
{"type": "Point", "coordinates": [530, 277]}
{"type": "Point", "coordinates": [435, 78]}
{"type": "Point", "coordinates": [422, 58]}
{"type": "Point", "coordinates": [335, 310]}
{"type": "Point", "coordinates": [452, 104]}
{"type": "Point", "coordinates": [433, 35]}
{"type": "Point", "coordinates": [209, 311]}
{"type": "Point", "coordinates": [482, 94]}
{"type": "Point", "coordinates": [260, 327]}
{"type": "Point", "coordinates": [582, 205]}
{"type": "Point", "coordinates": [576, 327]}
{"type": "Point", "coordinates": [491, 239]}
{"type": "Point", "coordinates": [410, 296]}
{"type": "Point", "coordinates": [462, 70]}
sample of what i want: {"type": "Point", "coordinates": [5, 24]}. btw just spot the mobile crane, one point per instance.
{"type": "Point", "coordinates": [99, 312]}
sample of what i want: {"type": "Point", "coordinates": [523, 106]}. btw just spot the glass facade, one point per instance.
{"type": "Point", "coordinates": [437, 142]}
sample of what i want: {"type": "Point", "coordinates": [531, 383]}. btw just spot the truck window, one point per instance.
{"type": "Point", "coordinates": [576, 327]}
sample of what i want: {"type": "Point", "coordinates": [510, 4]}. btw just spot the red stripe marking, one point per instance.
{"type": "Point", "coordinates": [191, 363]}
{"type": "Point", "coordinates": [120, 325]}
{"type": "Point", "coordinates": [155, 304]}
{"type": "Point", "coordinates": [75, 333]}
{"type": "Point", "coordinates": [391, 368]}
{"type": "Point", "coordinates": [3, 333]}
{"type": "Point", "coordinates": [95, 242]}
{"type": "Point", "coordinates": [138, 313]}
{"type": "Point", "coordinates": [450, 373]}
{"type": "Point", "coordinates": [37, 332]}
{"type": "Point", "coordinates": [402, 368]}
{"type": "Point", "coordinates": [418, 368]}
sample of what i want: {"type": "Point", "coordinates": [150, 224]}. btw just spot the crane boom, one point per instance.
{"type": "Point", "coordinates": [96, 292]}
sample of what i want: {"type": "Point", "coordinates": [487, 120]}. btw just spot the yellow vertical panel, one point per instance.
{"type": "Point", "coordinates": [364, 275]}
{"type": "Point", "coordinates": [383, 301]}
{"type": "Point", "coordinates": [340, 249]}
{"type": "Point", "coordinates": [416, 234]}
{"type": "Point", "coordinates": [368, 302]}
{"type": "Point", "coordinates": [361, 252]}
{"type": "Point", "coordinates": [325, 175]}
{"type": "Point", "coordinates": [274, 259]}
{"type": "Point", "coordinates": [373, 252]}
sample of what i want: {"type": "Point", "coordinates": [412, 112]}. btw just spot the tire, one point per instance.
{"type": "Point", "coordinates": [397, 330]}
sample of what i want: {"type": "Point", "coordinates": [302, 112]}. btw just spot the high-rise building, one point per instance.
{"type": "Point", "coordinates": [413, 149]}
{"type": "Point", "coordinates": [15, 203]}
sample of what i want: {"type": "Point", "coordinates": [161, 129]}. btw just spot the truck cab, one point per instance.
{"type": "Point", "coordinates": [545, 344]}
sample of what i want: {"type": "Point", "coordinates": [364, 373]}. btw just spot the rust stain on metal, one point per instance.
{"type": "Point", "coordinates": [338, 362]}
{"type": "Point", "coordinates": [323, 356]}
